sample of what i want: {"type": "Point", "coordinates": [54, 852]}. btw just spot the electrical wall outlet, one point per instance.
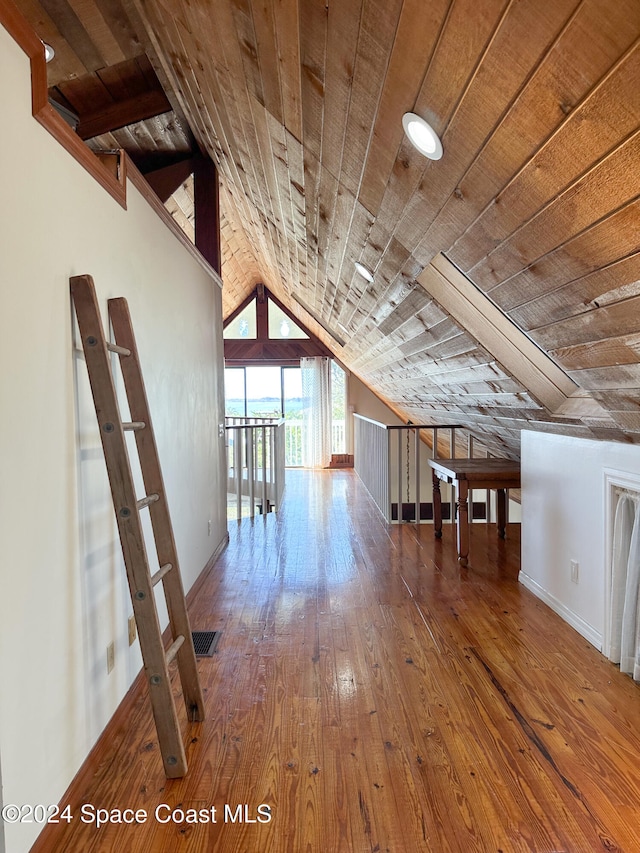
{"type": "Point", "coordinates": [132, 630]}
{"type": "Point", "coordinates": [575, 569]}
{"type": "Point", "coordinates": [111, 657]}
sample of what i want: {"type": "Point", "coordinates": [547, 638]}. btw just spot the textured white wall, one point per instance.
{"type": "Point", "coordinates": [365, 403]}
{"type": "Point", "coordinates": [563, 512]}
{"type": "Point", "coordinates": [63, 590]}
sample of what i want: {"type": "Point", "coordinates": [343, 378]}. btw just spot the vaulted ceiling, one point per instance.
{"type": "Point", "coordinates": [533, 210]}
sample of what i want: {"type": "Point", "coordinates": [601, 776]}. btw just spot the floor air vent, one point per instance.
{"type": "Point", "coordinates": [205, 642]}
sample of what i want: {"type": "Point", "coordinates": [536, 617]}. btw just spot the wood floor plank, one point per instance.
{"type": "Point", "coordinates": [376, 697]}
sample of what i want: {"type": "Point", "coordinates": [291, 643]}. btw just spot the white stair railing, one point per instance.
{"type": "Point", "coordinates": [255, 464]}
{"type": "Point", "coordinates": [392, 462]}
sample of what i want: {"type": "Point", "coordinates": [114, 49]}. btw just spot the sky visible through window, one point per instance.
{"type": "Point", "coordinates": [264, 391]}
{"type": "Point", "coordinates": [273, 391]}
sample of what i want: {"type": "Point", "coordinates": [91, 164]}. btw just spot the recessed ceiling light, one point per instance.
{"type": "Point", "coordinates": [49, 52]}
{"type": "Point", "coordinates": [364, 272]}
{"type": "Point", "coordinates": [422, 136]}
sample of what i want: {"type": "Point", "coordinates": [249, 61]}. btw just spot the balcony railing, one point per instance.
{"type": "Point", "coordinates": [255, 464]}
{"type": "Point", "coordinates": [293, 441]}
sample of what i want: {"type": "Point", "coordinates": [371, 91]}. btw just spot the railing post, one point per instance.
{"type": "Point", "coordinates": [279, 463]}
{"type": "Point", "coordinates": [470, 455]}
{"type": "Point", "coordinates": [237, 470]}
{"type": "Point", "coordinates": [251, 472]}
{"type": "Point", "coordinates": [272, 465]}
{"type": "Point", "coordinates": [264, 470]}
{"type": "Point", "coordinates": [452, 454]}
{"type": "Point", "coordinates": [417, 452]}
{"type": "Point", "coordinates": [488, 499]}
{"type": "Point", "coordinates": [400, 443]}
{"type": "Point", "coordinates": [387, 480]}
{"type": "Point", "coordinates": [274, 461]}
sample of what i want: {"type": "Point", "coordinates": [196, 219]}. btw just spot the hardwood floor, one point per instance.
{"type": "Point", "coordinates": [377, 697]}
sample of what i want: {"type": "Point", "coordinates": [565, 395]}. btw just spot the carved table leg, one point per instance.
{"type": "Point", "coordinates": [463, 521]}
{"type": "Point", "coordinates": [437, 507]}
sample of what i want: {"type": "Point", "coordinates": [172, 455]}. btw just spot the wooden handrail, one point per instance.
{"type": "Point", "coordinates": [258, 425]}
{"type": "Point", "coordinates": [409, 426]}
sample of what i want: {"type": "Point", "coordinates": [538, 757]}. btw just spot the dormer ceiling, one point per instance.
{"type": "Point", "coordinates": [535, 201]}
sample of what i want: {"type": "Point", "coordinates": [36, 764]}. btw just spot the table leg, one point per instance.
{"type": "Point", "coordinates": [437, 507]}
{"type": "Point", "coordinates": [463, 521]}
{"type": "Point", "coordinates": [502, 512]}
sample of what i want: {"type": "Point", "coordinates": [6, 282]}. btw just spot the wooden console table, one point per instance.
{"type": "Point", "coordinates": [465, 474]}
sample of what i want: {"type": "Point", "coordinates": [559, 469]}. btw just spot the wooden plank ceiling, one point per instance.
{"type": "Point", "coordinates": [536, 199]}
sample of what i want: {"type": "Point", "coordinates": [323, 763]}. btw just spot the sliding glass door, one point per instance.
{"type": "Point", "coordinates": [292, 407]}
{"type": "Point", "coordinates": [268, 391]}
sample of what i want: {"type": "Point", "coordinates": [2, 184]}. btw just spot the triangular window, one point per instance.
{"type": "Point", "coordinates": [244, 326]}
{"type": "Point", "coordinates": [281, 326]}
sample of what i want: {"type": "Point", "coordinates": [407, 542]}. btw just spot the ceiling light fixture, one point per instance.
{"type": "Point", "coordinates": [364, 272]}
{"type": "Point", "coordinates": [422, 136]}
{"type": "Point", "coordinates": [49, 52]}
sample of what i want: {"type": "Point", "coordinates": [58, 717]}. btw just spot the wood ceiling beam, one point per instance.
{"type": "Point", "coordinates": [262, 314]}
{"type": "Point", "coordinates": [237, 353]}
{"type": "Point", "coordinates": [524, 360]}
{"type": "Point", "coordinates": [164, 182]}
{"type": "Point", "coordinates": [206, 187]}
{"type": "Point", "coordinates": [123, 113]}
{"type": "Point", "coordinates": [71, 28]}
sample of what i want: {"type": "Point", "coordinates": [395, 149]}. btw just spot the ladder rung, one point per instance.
{"type": "Point", "coordinates": [180, 647]}
{"type": "Point", "coordinates": [150, 499]}
{"type": "Point", "coordinates": [172, 651]}
{"type": "Point", "coordinates": [119, 350]}
{"type": "Point", "coordinates": [162, 571]}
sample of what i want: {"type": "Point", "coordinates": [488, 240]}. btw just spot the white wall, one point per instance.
{"type": "Point", "coordinates": [2, 845]}
{"type": "Point", "coordinates": [365, 403]}
{"type": "Point", "coordinates": [63, 591]}
{"type": "Point", "coordinates": [563, 512]}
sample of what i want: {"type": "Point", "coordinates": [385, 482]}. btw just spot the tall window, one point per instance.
{"type": "Point", "coordinates": [235, 392]}
{"type": "Point", "coordinates": [266, 391]}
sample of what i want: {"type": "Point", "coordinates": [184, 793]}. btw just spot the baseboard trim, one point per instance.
{"type": "Point", "coordinates": [106, 748]}
{"type": "Point", "coordinates": [576, 622]}
{"type": "Point", "coordinates": [101, 755]}
{"type": "Point", "coordinates": [199, 581]}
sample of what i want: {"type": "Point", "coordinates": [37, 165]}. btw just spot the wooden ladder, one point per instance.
{"type": "Point", "coordinates": [128, 508]}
